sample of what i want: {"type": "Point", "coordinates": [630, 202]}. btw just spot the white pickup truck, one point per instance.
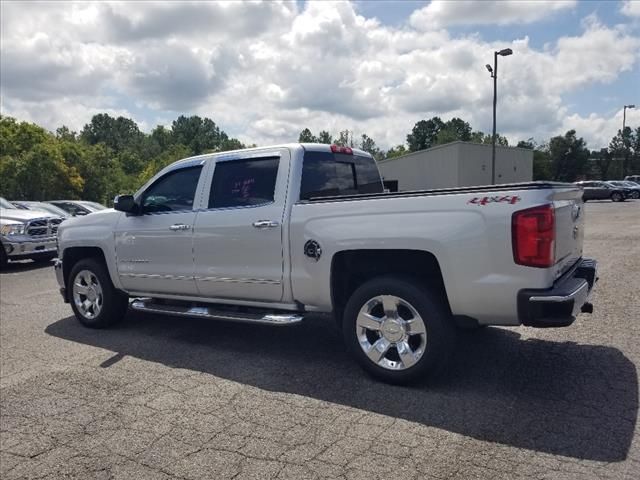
{"type": "Point", "coordinates": [269, 235]}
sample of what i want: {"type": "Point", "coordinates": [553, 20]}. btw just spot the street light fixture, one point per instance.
{"type": "Point", "coordinates": [624, 116]}
{"type": "Point", "coordinates": [494, 74]}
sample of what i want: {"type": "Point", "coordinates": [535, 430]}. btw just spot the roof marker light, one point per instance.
{"type": "Point", "coordinates": [340, 149]}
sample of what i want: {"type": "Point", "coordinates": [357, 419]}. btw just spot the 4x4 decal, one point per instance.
{"type": "Point", "coordinates": [512, 199]}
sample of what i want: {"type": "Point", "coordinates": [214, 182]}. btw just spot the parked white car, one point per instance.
{"type": "Point", "coordinates": [269, 235]}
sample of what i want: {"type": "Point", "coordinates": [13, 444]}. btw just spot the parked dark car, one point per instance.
{"type": "Point", "coordinates": [634, 187]}
{"type": "Point", "coordinates": [632, 178]}
{"type": "Point", "coordinates": [77, 207]}
{"type": "Point", "coordinates": [595, 190]}
{"type": "Point", "coordinates": [42, 206]}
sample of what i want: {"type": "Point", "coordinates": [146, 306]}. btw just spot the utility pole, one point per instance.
{"type": "Point", "coordinates": [624, 116]}
{"type": "Point", "coordinates": [494, 74]}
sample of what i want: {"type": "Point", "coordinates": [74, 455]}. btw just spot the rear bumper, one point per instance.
{"type": "Point", "coordinates": [559, 305]}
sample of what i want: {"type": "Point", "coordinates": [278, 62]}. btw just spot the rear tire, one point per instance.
{"type": "Point", "coordinates": [95, 301]}
{"type": "Point", "coordinates": [635, 195]}
{"type": "Point", "coordinates": [617, 197]}
{"type": "Point", "coordinates": [398, 330]}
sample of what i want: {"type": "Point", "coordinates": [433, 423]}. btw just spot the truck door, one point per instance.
{"type": "Point", "coordinates": [155, 248]}
{"type": "Point", "coordinates": [238, 239]}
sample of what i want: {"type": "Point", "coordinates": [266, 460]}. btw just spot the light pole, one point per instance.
{"type": "Point", "coordinates": [494, 74]}
{"type": "Point", "coordinates": [624, 116]}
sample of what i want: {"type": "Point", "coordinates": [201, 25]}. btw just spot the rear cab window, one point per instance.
{"type": "Point", "coordinates": [327, 174]}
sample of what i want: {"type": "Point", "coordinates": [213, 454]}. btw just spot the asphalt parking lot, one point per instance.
{"type": "Point", "coordinates": [161, 397]}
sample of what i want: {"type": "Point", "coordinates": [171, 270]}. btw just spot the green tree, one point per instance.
{"type": "Point", "coordinates": [569, 156]}
{"type": "Point", "coordinates": [345, 139]}
{"type": "Point", "coordinates": [168, 156]}
{"type": "Point", "coordinates": [115, 133]}
{"type": "Point", "coordinates": [232, 144]}
{"type": "Point", "coordinates": [369, 145]}
{"type": "Point", "coordinates": [542, 165]}
{"type": "Point", "coordinates": [541, 159]}
{"type": "Point", "coordinates": [325, 137]}
{"type": "Point", "coordinates": [396, 151]}
{"type": "Point", "coordinates": [487, 139]}
{"type": "Point", "coordinates": [198, 134]}
{"type": "Point", "coordinates": [64, 133]}
{"type": "Point", "coordinates": [454, 130]}
{"type": "Point", "coordinates": [307, 137]}
{"type": "Point", "coordinates": [603, 160]}
{"type": "Point", "coordinates": [424, 134]}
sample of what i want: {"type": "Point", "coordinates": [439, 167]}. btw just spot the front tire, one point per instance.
{"type": "Point", "coordinates": [95, 301]}
{"type": "Point", "coordinates": [635, 195]}
{"type": "Point", "coordinates": [397, 329]}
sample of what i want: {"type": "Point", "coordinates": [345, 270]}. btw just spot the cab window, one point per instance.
{"type": "Point", "coordinates": [241, 183]}
{"type": "Point", "coordinates": [326, 174]}
{"type": "Point", "coordinates": [174, 191]}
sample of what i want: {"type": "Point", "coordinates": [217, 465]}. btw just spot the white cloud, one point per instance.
{"type": "Point", "coordinates": [631, 8]}
{"type": "Point", "coordinates": [444, 13]}
{"type": "Point", "coordinates": [600, 129]}
{"type": "Point", "coordinates": [265, 71]}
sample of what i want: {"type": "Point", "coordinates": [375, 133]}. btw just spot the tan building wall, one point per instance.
{"type": "Point", "coordinates": [458, 164]}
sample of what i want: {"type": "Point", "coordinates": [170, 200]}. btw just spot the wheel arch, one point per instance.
{"type": "Point", "coordinates": [73, 255]}
{"type": "Point", "coordinates": [352, 268]}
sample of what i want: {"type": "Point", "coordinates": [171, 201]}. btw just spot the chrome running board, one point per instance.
{"type": "Point", "coordinates": [210, 311]}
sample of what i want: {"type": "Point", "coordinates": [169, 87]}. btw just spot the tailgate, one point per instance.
{"type": "Point", "coordinates": [569, 212]}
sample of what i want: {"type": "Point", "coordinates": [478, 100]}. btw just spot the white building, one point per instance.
{"type": "Point", "coordinates": [457, 164]}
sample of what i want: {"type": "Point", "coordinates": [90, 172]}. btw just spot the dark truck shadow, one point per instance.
{"type": "Point", "coordinates": [25, 266]}
{"type": "Point", "coordinates": [561, 398]}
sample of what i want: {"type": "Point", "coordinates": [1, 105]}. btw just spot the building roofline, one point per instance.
{"type": "Point", "coordinates": [447, 145]}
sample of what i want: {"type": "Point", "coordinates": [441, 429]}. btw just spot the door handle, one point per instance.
{"type": "Point", "coordinates": [266, 224]}
{"type": "Point", "coordinates": [179, 226]}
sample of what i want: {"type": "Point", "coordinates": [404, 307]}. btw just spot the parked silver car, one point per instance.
{"type": "Point", "coordinates": [27, 234]}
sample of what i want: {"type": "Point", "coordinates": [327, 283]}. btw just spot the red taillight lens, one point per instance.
{"type": "Point", "coordinates": [340, 149]}
{"type": "Point", "coordinates": [533, 235]}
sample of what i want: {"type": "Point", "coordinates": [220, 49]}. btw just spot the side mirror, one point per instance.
{"type": "Point", "coordinates": [125, 203]}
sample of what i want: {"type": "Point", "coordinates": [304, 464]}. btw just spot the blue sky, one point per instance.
{"type": "Point", "coordinates": [583, 100]}
{"type": "Point", "coordinates": [263, 71]}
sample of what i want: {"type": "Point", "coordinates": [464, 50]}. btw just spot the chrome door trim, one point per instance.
{"type": "Point", "coordinates": [239, 280]}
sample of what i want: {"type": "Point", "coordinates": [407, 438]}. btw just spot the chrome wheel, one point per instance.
{"type": "Point", "coordinates": [391, 332]}
{"type": "Point", "coordinates": [87, 294]}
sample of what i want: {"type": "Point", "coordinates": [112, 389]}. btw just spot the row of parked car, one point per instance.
{"type": "Point", "coordinates": [614, 190]}
{"type": "Point", "coordinates": [28, 229]}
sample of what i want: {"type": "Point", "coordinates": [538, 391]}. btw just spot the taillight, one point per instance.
{"type": "Point", "coordinates": [341, 149]}
{"type": "Point", "coordinates": [533, 235]}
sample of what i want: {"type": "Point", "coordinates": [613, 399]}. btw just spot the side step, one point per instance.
{"type": "Point", "coordinates": [200, 311]}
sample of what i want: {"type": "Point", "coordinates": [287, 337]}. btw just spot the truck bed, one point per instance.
{"type": "Point", "coordinates": [540, 185]}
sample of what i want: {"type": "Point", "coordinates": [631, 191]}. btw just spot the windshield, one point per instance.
{"type": "Point", "coordinates": [92, 205]}
{"type": "Point", "coordinates": [5, 204]}
{"type": "Point", "coordinates": [46, 207]}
